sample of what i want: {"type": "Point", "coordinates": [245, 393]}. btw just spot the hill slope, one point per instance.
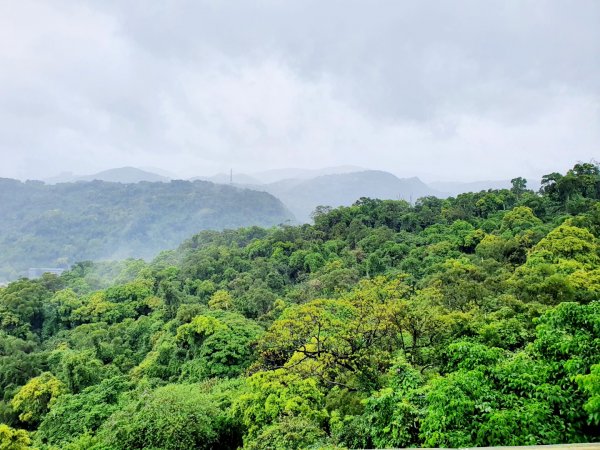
{"type": "Point", "coordinates": [49, 225]}
{"type": "Point", "coordinates": [303, 196]}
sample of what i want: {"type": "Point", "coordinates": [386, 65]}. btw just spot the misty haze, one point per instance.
{"type": "Point", "coordinates": [273, 225]}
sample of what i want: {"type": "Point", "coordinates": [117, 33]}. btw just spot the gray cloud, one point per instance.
{"type": "Point", "coordinates": [463, 89]}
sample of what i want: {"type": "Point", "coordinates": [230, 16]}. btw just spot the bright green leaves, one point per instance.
{"type": "Point", "coordinates": [568, 242]}
{"type": "Point", "coordinates": [34, 399]}
{"type": "Point", "coordinates": [339, 340]}
{"type": "Point", "coordinates": [319, 332]}
{"type": "Point", "coordinates": [519, 219]}
{"type": "Point", "coordinates": [97, 308]}
{"type": "Point", "coordinates": [575, 190]}
{"type": "Point", "coordinates": [11, 439]}
{"type": "Point", "coordinates": [75, 414]}
{"type": "Point", "coordinates": [172, 417]}
{"type": "Point", "coordinates": [591, 386]}
{"type": "Point", "coordinates": [22, 304]}
{"type": "Point", "coordinates": [214, 344]}
{"type": "Point", "coordinates": [461, 284]}
{"type": "Point", "coordinates": [78, 369]}
{"type": "Point", "coordinates": [290, 433]}
{"type": "Point", "coordinates": [510, 325]}
{"type": "Point", "coordinates": [508, 401]}
{"type": "Point", "coordinates": [280, 397]}
{"type": "Point", "coordinates": [194, 333]}
{"type": "Point", "coordinates": [391, 415]}
{"type": "Point", "coordinates": [471, 356]}
{"type": "Point", "coordinates": [490, 397]}
{"type": "Point", "coordinates": [219, 346]}
{"type": "Point", "coordinates": [561, 267]}
{"type": "Point", "coordinates": [221, 299]}
{"type": "Point", "coordinates": [58, 310]}
{"type": "Point", "coordinates": [568, 338]}
{"type": "Point", "coordinates": [452, 404]}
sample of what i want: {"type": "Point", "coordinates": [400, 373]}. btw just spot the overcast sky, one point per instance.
{"type": "Point", "coordinates": [439, 89]}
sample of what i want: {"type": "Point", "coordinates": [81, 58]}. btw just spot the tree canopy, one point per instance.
{"type": "Point", "coordinates": [468, 321]}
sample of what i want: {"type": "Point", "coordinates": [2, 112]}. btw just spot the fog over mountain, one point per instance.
{"type": "Point", "coordinates": [57, 225]}
{"type": "Point", "coordinates": [303, 196]}
{"type": "Point", "coordinates": [441, 90]}
{"type": "Point", "coordinates": [273, 175]}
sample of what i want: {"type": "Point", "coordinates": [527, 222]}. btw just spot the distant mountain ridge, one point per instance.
{"type": "Point", "coordinates": [274, 175]}
{"type": "Point", "coordinates": [303, 196]}
{"type": "Point", "coordinates": [302, 190]}
{"type": "Point", "coordinates": [117, 175]}
{"type": "Point", "coordinates": [225, 178]}
{"type": "Point", "coordinates": [125, 175]}
{"type": "Point", "coordinates": [343, 185]}
{"type": "Point", "coordinates": [56, 225]}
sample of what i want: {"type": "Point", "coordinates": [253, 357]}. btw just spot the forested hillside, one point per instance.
{"type": "Point", "coordinates": [469, 321]}
{"type": "Point", "coordinates": [57, 225]}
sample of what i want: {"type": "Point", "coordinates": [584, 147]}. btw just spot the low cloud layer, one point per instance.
{"type": "Point", "coordinates": [444, 90]}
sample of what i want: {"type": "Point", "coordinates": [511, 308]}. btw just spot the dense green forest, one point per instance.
{"type": "Point", "coordinates": [57, 225]}
{"type": "Point", "coordinates": [468, 321]}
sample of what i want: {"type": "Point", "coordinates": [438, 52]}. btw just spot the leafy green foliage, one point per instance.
{"type": "Point", "coordinates": [34, 399]}
{"type": "Point", "coordinates": [217, 345]}
{"type": "Point", "coordinates": [73, 415]}
{"type": "Point", "coordinates": [278, 395]}
{"type": "Point", "coordinates": [170, 417]}
{"type": "Point", "coordinates": [469, 321]}
{"type": "Point", "coordinates": [11, 439]}
{"type": "Point", "coordinates": [591, 385]}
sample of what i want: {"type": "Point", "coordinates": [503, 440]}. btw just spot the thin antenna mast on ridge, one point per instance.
{"type": "Point", "coordinates": [230, 176]}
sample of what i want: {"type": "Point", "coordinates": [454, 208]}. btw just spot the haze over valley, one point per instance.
{"type": "Point", "coordinates": [58, 225]}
